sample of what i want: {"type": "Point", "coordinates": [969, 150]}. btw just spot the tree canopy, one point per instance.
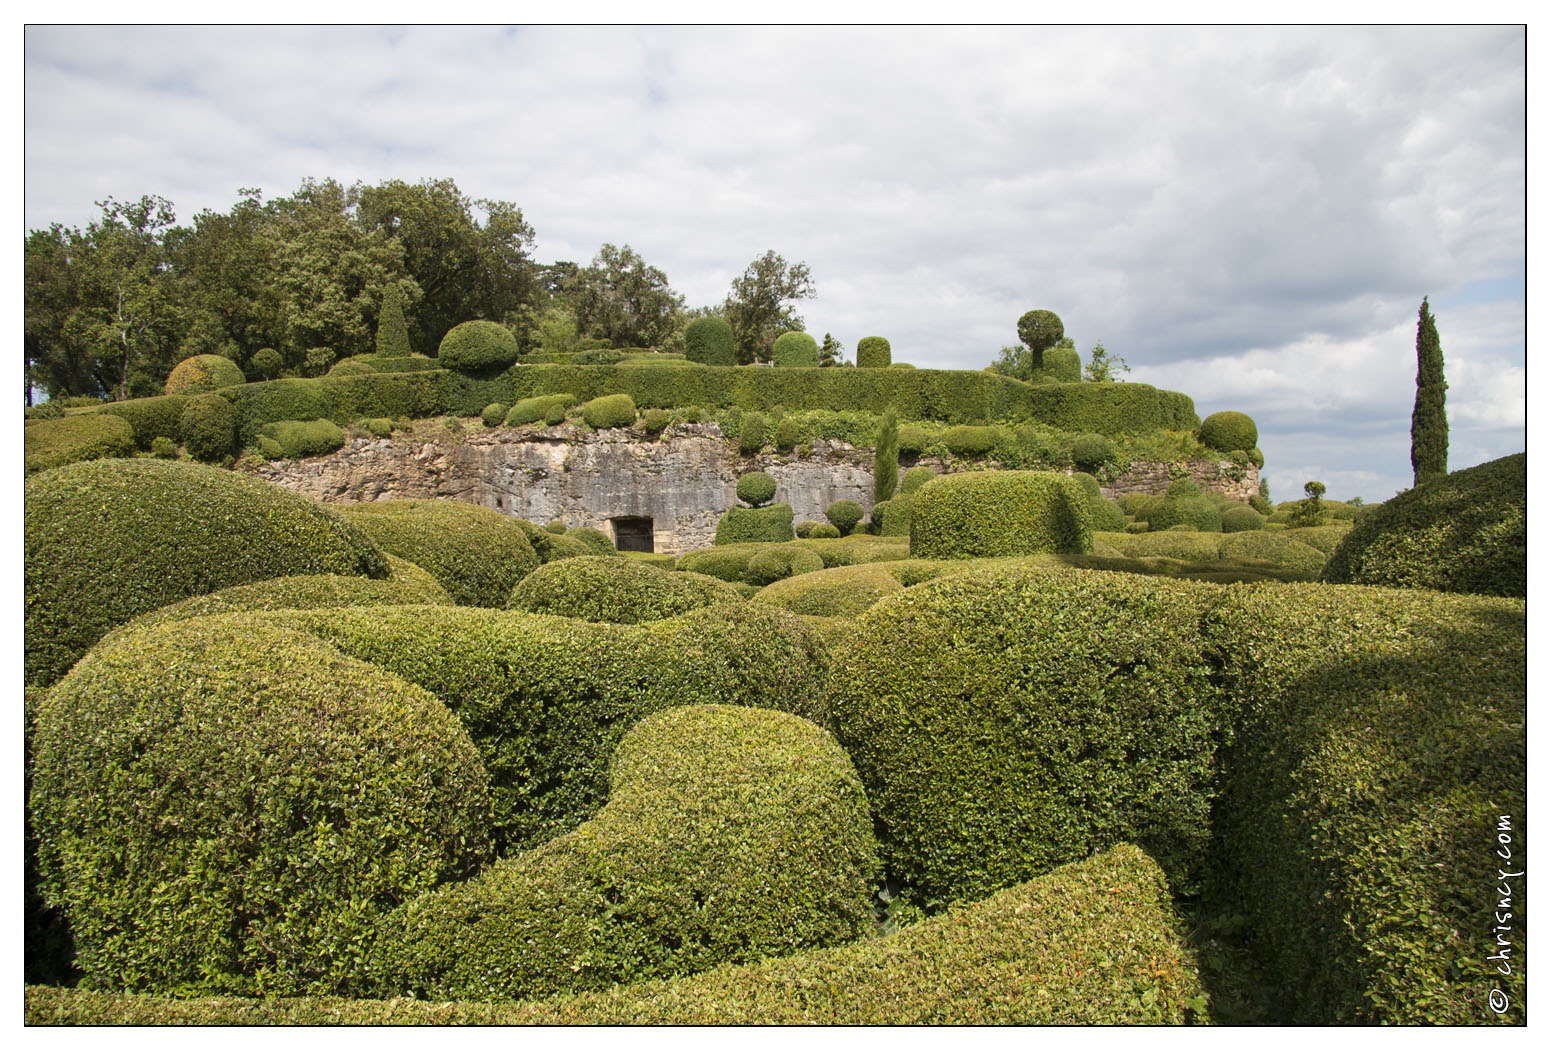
{"type": "Point", "coordinates": [758, 307]}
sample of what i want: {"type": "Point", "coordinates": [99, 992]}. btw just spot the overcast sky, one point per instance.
{"type": "Point", "coordinates": [1249, 216]}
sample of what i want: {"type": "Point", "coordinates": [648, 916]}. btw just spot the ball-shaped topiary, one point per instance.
{"type": "Point", "coordinates": [203, 372]}
{"type": "Point", "coordinates": [294, 439]}
{"type": "Point", "coordinates": [351, 367]}
{"type": "Point", "coordinates": [476, 553]}
{"type": "Point", "coordinates": [781, 561]}
{"type": "Point", "coordinates": [1090, 452]}
{"type": "Point", "coordinates": [756, 488]}
{"type": "Point", "coordinates": [709, 341]}
{"type": "Point", "coordinates": [1184, 504]}
{"type": "Point", "coordinates": [611, 410]}
{"type": "Point", "coordinates": [655, 421]}
{"type": "Point", "coordinates": [753, 430]}
{"type": "Point", "coordinates": [1256, 457]}
{"type": "Point", "coordinates": [985, 514]}
{"type": "Point", "coordinates": [597, 540]}
{"type": "Point", "coordinates": [1039, 330]}
{"type": "Point", "coordinates": [1227, 431]}
{"type": "Point", "coordinates": [267, 363]}
{"type": "Point", "coordinates": [873, 352]}
{"type": "Point", "coordinates": [229, 806]}
{"type": "Point", "coordinates": [823, 531]}
{"type": "Point", "coordinates": [1241, 519]}
{"type": "Point", "coordinates": [915, 478]}
{"type": "Point", "coordinates": [494, 414]}
{"type": "Point", "coordinates": [795, 350]}
{"type": "Point", "coordinates": [478, 346]}
{"type": "Point", "coordinates": [615, 591]}
{"type": "Point", "coordinates": [556, 526]}
{"type": "Point", "coordinates": [208, 427]}
{"type": "Point", "coordinates": [843, 515]}
{"type": "Point", "coordinates": [170, 529]}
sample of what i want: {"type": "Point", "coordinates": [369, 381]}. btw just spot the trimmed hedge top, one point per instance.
{"type": "Point", "coordinates": [70, 439]}
{"type": "Point", "coordinates": [615, 590]}
{"type": "Point", "coordinates": [109, 540]}
{"type": "Point", "coordinates": [983, 514]}
{"type": "Point", "coordinates": [477, 554]}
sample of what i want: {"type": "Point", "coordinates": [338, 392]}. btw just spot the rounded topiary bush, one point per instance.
{"type": "Point", "coordinates": [1241, 519]}
{"type": "Point", "coordinates": [843, 515]}
{"type": "Point", "coordinates": [266, 363]}
{"type": "Point", "coordinates": [970, 440]}
{"type": "Point", "coordinates": [756, 488]}
{"type": "Point", "coordinates": [351, 367]}
{"type": "Point", "coordinates": [915, 478]}
{"type": "Point", "coordinates": [53, 443]}
{"type": "Point", "coordinates": [611, 410]}
{"type": "Point", "coordinates": [1184, 504]}
{"type": "Point", "coordinates": [203, 372]}
{"type": "Point", "coordinates": [615, 591]}
{"type": "Point", "coordinates": [1063, 364]}
{"type": "Point", "coordinates": [227, 806]}
{"type": "Point", "coordinates": [983, 514]}
{"type": "Point", "coordinates": [557, 527]}
{"type": "Point", "coordinates": [596, 540]}
{"type": "Point", "coordinates": [730, 835]}
{"type": "Point", "coordinates": [1283, 549]}
{"type": "Point", "coordinates": [494, 414]}
{"type": "Point", "coordinates": [873, 352]}
{"type": "Point", "coordinates": [208, 427]}
{"type": "Point", "coordinates": [997, 739]}
{"type": "Point", "coordinates": [753, 431]}
{"type": "Point", "coordinates": [845, 591]}
{"type": "Point", "coordinates": [478, 346]}
{"type": "Point", "coordinates": [655, 421]}
{"type": "Point", "coordinates": [477, 554]}
{"type": "Point", "coordinates": [898, 515]}
{"type": "Point", "coordinates": [1105, 516]}
{"type": "Point", "coordinates": [415, 587]}
{"type": "Point", "coordinates": [747, 525]}
{"type": "Point", "coordinates": [709, 341]}
{"type": "Point", "coordinates": [164, 448]}
{"type": "Point", "coordinates": [533, 410]}
{"type": "Point", "coordinates": [294, 439]}
{"type": "Point", "coordinates": [1463, 532]}
{"type": "Point", "coordinates": [1040, 329]}
{"type": "Point", "coordinates": [1091, 451]}
{"type": "Point", "coordinates": [795, 350]}
{"type": "Point", "coordinates": [1227, 431]}
{"type": "Point", "coordinates": [823, 531]}
{"type": "Point", "coordinates": [781, 561]}
{"type": "Point", "coordinates": [109, 540]}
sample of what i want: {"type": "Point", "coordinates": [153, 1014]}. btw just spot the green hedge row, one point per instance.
{"type": "Point", "coordinates": [751, 525]}
{"type": "Point", "coordinates": [477, 554]}
{"type": "Point", "coordinates": [70, 439]}
{"type": "Point", "coordinates": [730, 835]}
{"type": "Point", "coordinates": [982, 514]}
{"type": "Point", "coordinates": [1093, 943]}
{"type": "Point", "coordinates": [151, 418]}
{"type": "Point", "coordinates": [345, 399]}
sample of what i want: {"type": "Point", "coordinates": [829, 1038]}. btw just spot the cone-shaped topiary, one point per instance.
{"type": "Point", "coordinates": [392, 333]}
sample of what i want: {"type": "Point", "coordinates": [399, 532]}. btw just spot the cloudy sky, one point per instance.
{"type": "Point", "coordinates": [1249, 216]}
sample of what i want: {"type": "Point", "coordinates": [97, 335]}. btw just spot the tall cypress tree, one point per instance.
{"type": "Point", "coordinates": [392, 333]}
{"type": "Point", "coordinates": [885, 459]}
{"type": "Point", "coordinates": [1429, 423]}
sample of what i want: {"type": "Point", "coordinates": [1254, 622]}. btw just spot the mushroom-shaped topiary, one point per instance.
{"type": "Point", "coordinates": [478, 346]}
{"type": "Point", "coordinates": [204, 372]}
{"type": "Point", "coordinates": [756, 488]}
{"type": "Point", "coordinates": [1040, 330]}
{"type": "Point", "coordinates": [1227, 431]}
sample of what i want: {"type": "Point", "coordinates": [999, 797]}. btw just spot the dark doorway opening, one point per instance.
{"type": "Point", "coordinates": [633, 534]}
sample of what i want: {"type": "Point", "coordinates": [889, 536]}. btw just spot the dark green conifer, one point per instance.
{"type": "Point", "coordinates": [885, 459]}
{"type": "Point", "coordinates": [392, 333]}
{"type": "Point", "coordinates": [1429, 423]}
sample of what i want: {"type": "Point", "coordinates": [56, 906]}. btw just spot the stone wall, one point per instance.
{"type": "Point", "coordinates": [682, 481]}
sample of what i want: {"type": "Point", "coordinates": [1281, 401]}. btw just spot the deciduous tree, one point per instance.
{"type": "Point", "coordinates": [758, 307]}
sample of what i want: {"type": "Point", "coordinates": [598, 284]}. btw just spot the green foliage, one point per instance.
{"type": "Point", "coordinates": [885, 459]}
{"type": "Point", "coordinates": [1260, 503]}
{"type": "Point", "coordinates": [1429, 421]}
{"type": "Point", "coordinates": [494, 414]}
{"type": "Point", "coordinates": [655, 421]}
{"type": "Point", "coordinates": [309, 794]}
{"type": "Point", "coordinates": [873, 352]}
{"type": "Point", "coordinates": [611, 410]}
{"type": "Point", "coordinates": [596, 540]}
{"type": "Point", "coordinates": [967, 440]}
{"type": "Point", "coordinates": [532, 410]}
{"type": "Point", "coordinates": [1227, 431]}
{"type": "Point", "coordinates": [843, 515]}
{"type": "Point", "coordinates": [266, 363]}
{"type": "Point", "coordinates": [1184, 504]}
{"type": "Point", "coordinates": [899, 513]}
{"type": "Point", "coordinates": [1257, 458]}
{"type": "Point", "coordinates": [202, 373]}
{"type": "Point", "coordinates": [1092, 943]}
{"type": "Point", "coordinates": [1104, 515]}
{"type": "Point", "coordinates": [171, 530]}
{"type": "Point", "coordinates": [1185, 546]}
{"type": "Point", "coordinates": [757, 309]}
{"type": "Point", "coordinates": [915, 478]}
{"type": "Point", "coordinates": [317, 361]}
{"type": "Point", "coordinates": [557, 526]}
{"type": "Point", "coordinates": [795, 350]}
{"type": "Point", "coordinates": [1465, 532]}
{"type": "Point", "coordinates": [996, 739]}
{"type": "Point", "coordinates": [1090, 452]}
{"type": "Point", "coordinates": [615, 591]}
{"type": "Point", "coordinates": [1062, 365]}
{"type": "Point", "coordinates": [392, 333]}
{"type": "Point", "coordinates": [1039, 330]}
{"type": "Point", "coordinates": [744, 525]}
{"type": "Point", "coordinates": [478, 346]}
{"type": "Point", "coordinates": [1241, 518]}
{"type": "Point", "coordinates": [164, 448]}
{"type": "Point", "coordinates": [780, 561]}
{"type": "Point", "coordinates": [306, 591]}
{"type": "Point", "coordinates": [621, 299]}
{"type": "Point", "coordinates": [49, 410]}
{"type": "Point", "coordinates": [845, 591]}
{"type": "Point", "coordinates": [1102, 365]}
{"type": "Point", "coordinates": [1286, 550]}
{"type": "Point", "coordinates": [295, 439]}
{"type": "Point", "coordinates": [477, 554]}
{"type": "Point", "coordinates": [207, 428]}
{"type": "Point", "coordinates": [379, 426]}
{"type": "Point", "coordinates": [352, 367]}
{"type": "Point", "coordinates": [1309, 511]}
{"type": "Point", "coordinates": [71, 439]}
{"type": "Point", "coordinates": [709, 341]}
{"type": "Point", "coordinates": [756, 488]}
{"type": "Point", "coordinates": [753, 431]}
{"type": "Point", "coordinates": [989, 513]}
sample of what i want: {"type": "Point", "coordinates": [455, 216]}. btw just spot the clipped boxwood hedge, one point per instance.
{"type": "Point", "coordinates": [298, 438]}
{"type": "Point", "coordinates": [1465, 532]}
{"type": "Point", "coordinates": [535, 410]}
{"type": "Point", "coordinates": [151, 418]}
{"type": "Point", "coordinates": [730, 835]}
{"type": "Point", "coordinates": [226, 806]}
{"type": "Point", "coordinates": [109, 540]}
{"type": "Point", "coordinates": [71, 439]}
{"type": "Point", "coordinates": [846, 591]}
{"type": "Point", "coordinates": [983, 514]}
{"type": "Point", "coordinates": [873, 352]}
{"type": "Point", "coordinates": [615, 590]}
{"type": "Point", "coordinates": [748, 525]}
{"type": "Point", "coordinates": [203, 372]}
{"type": "Point", "coordinates": [1092, 943]}
{"type": "Point", "coordinates": [795, 350]}
{"type": "Point", "coordinates": [1005, 721]}
{"type": "Point", "coordinates": [709, 341]}
{"type": "Point", "coordinates": [475, 553]}
{"type": "Point", "coordinates": [478, 346]}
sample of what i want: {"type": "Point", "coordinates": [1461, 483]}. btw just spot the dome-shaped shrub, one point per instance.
{"type": "Point", "coordinates": [873, 352]}
{"type": "Point", "coordinates": [753, 430]}
{"type": "Point", "coordinates": [985, 514]}
{"type": "Point", "coordinates": [203, 372]}
{"type": "Point", "coordinates": [228, 806]}
{"type": "Point", "coordinates": [611, 410]}
{"type": "Point", "coordinates": [1463, 532]}
{"type": "Point", "coordinates": [823, 531]}
{"type": "Point", "coordinates": [1090, 451]}
{"type": "Point", "coordinates": [208, 427]}
{"type": "Point", "coordinates": [781, 561]}
{"type": "Point", "coordinates": [915, 478]}
{"type": "Point", "coordinates": [843, 515]}
{"type": "Point", "coordinates": [557, 527]}
{"type": "Point", "coordinates": [478, 346]}
{"type": "Point", "coordinates": [615, 591]}
{"type": "Point", "coordinates": [477, 554]}
{"type": "Point", "coordinates": [494, 414]}
{"type": "Point", "coordinates": [970, 440]}
{"type": "Point", "coordinates": [709, 341]}
{"type": "Point", "coordinates": [109, 540]}
{"type": "Point", "coordinates": [597, 540]}
{"type": "Point", "coordinates": [845, 591]}
{"type": "Point", "coordinates": [1241, 519]}
{"type": "Point", "coordinates": [294, 439]}
{"type": "Point", "coordinates": [351, 367]}
{"type": "Point", "coordinates": [267, 363]}
{"type": "Point", "coordinates": [1184, 504]}
{"type": "Point", "coordinates": [1227, 431]}
{"type": "Point", "coordinates": [756, 488]}
{"type": "Point", "coordinates": [70, 439]}
{"type": "Point", "coordinates": [795, 350]}
{"type": "Point", "coordinates": [1062, 364]}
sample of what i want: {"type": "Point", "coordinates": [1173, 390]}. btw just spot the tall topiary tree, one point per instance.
{"type": "Point", "coordinates": [885, 459]}
{"type": "Point", "coordinates": [392, 333]}
{"type": "Point", "coordinates": [1040, 330]}
{"type": "Point", "coordinates": [1429, 423]}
